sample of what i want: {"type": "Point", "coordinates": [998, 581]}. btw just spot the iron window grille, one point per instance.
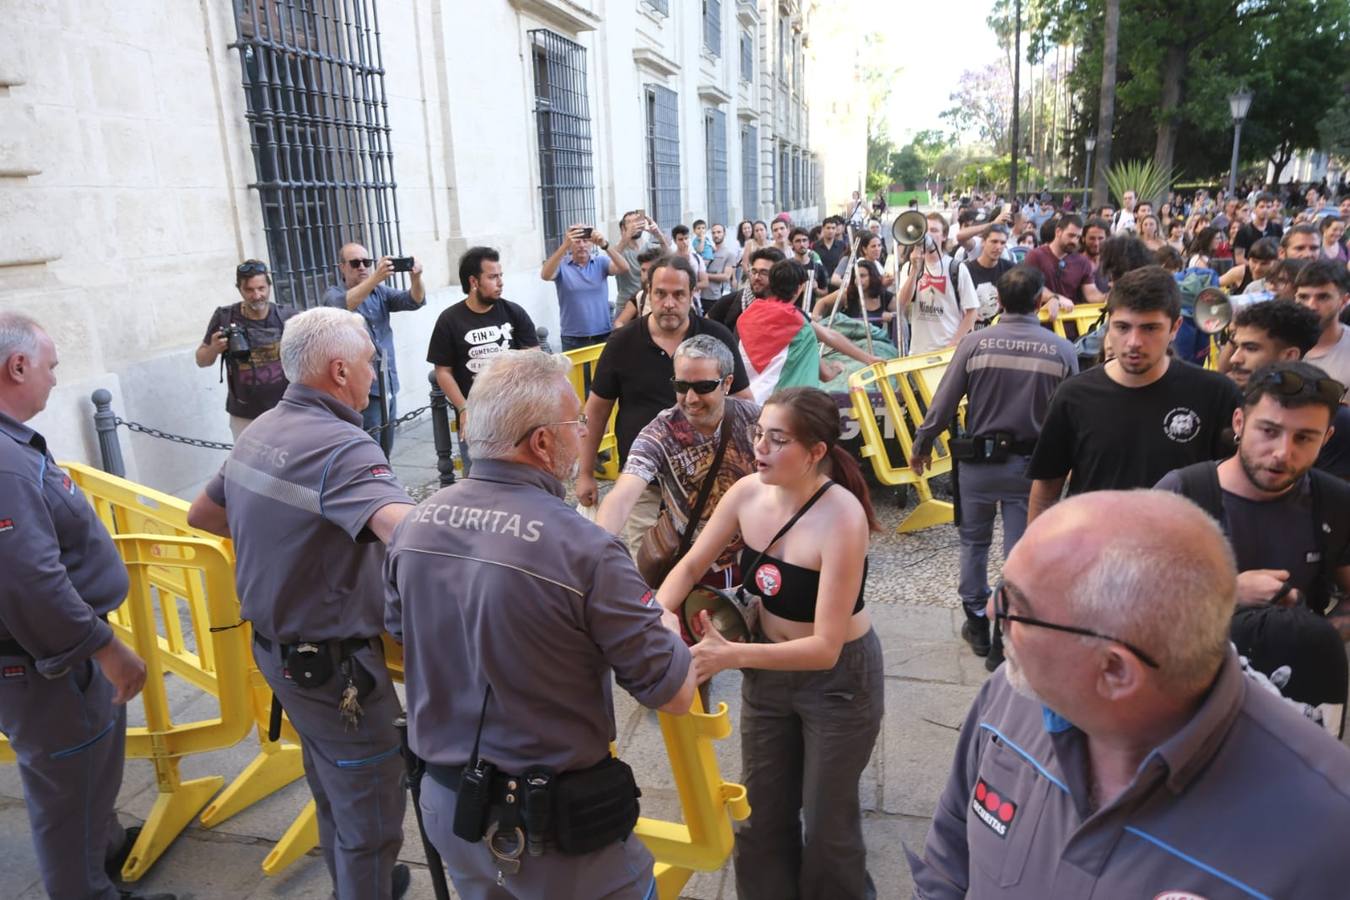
{"type": "Point", "coordinates": [796, 179]}
{"type": "Point", "coordinates": [712, 26]}
{"type": "Point", "coordinates": [663, 154]}
{"type": "Point", "coordinates": [747, 57]}
{"type": "Point", "coordinates": [313, 79]}
{"type": "Point", "coordinates": [750, 171]}
{"type": "Point", "coordinates": [715, 136]}
{"type": "Point", "coordinates": [784, 177]}
{"type": "Point", "coordinates": [563, 123]}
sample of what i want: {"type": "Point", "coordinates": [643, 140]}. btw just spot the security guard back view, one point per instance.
{"type": "Point", "coordinates": [514, 610]}
{"type": "Point", "coordinates": [307, 497]}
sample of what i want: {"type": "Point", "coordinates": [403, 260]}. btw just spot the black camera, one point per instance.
{"type": "Point", "coordinates": [239, 349]}
{"type": "Point", "coordinates": [401, 263]}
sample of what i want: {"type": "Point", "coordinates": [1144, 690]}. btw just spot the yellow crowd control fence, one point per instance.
{"type": "Point", "coordinates": [906, 387]}
{"type": "Point", "coordinates": [1076, 322]}
{"type": "Point", "coordinates": [178, 574]}
{"type": "Point", "coordinates": [583, 370]}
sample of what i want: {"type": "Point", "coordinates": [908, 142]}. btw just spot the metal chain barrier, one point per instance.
{"type": "Point", "coordinates": [220, 445]}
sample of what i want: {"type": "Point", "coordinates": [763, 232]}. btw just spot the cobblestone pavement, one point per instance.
{"type": "Point", "coordinates": [930, 680]}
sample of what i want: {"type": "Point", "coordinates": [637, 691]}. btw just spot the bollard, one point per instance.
{"type": "Point", "coordinates": [105, 425]}
{"type": "Point", "coordinates": [542, 333]}
{"type": "Point", "coordinates": [440, 432]}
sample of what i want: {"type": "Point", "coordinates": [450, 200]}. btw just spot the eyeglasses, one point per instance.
{"type": "Point", "coordinates": [579, 420]}
{"type": "Point", "coordinates": [1001, 612]}
{"type": "Point", "coordinates": [360, 263]}
{"type": "Point", "coordinates": [1291, 384]}
{"type": "Point", "coordinates": [251, 268]}
{"type": "Point", "coordinates": [698, 387]}
{"type": "Point", "coordinates": [777, 439]}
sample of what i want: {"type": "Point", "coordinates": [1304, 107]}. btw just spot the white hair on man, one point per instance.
{"type": "Point", "coordinates": [1171, 593]}
{"type": "Point", "coordinates": [316, 337]}
{"type": "Point", "coordinates": [519, 390]}
{"type": "Point", "coordinates": [18, 334]}
{"type": "Point", "coordinates": [705, 346]}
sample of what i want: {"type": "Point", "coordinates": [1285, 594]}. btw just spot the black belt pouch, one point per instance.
{"type": "Point", "coordinates": [595, 807]}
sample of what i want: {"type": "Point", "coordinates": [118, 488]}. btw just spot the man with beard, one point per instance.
{"type": "Point", "coordinates": [516, 614]}
{"type": "Point", "coordinates": [1068, 274]}
{"type": "Point", "coordinates": [255, 382]}
{"type": "Point", "coordinates": [1120, 751]}
{"type": "Point", "coordinates": [1094, 235]}
{"type": "Point", "coordinates": [1324, 288]}
{"type": "Point", "coordinates": [469, 333]}
{"type": "Point", "coordinates": [1127, 423]}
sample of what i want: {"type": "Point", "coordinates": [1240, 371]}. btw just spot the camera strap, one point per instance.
{"type": "Point", "coordinates": [478, 736]}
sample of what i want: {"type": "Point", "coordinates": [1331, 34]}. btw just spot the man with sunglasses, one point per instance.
{"type": "Point", "coordinates": [254, 379]}
{"type": "Point", "coordinates": [363, 291]}
{"type": "Point", "coordinates": [677, 448]}
{"type": "Point", "coordinates": [1121, 751]}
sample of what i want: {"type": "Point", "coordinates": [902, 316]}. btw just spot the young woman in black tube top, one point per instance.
{"type": "Point", "coordinates": [812, 688]}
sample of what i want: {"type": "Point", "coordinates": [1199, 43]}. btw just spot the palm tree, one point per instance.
{"type": "Point", "coordinates": [1107, 104]}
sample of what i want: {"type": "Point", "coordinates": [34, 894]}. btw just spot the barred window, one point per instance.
{"type": "Point", "coordinates": [796, 179]}
{"type": "Point", "coordinates": [715, 135]}
{"type": "Point", "coordinates": [750, 171]}
{"type": "Point", "coordinates": [663, 154]}
{"type": "Point", "coordinates": [747, 57]}
{"type": "Point", "coordinates": [712, 26]}
{"type": "Point", "coordinates": [563, 121]}
{"type": "Point", "coordinates": [313, 79]}
{"type": "Point", "coordinates": [784, 179]}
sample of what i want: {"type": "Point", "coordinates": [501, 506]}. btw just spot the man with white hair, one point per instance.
{"type": "Point", "coordinates": [1120, 751]}
{"type": "Point", "coordinates": [65, 679]}
{"type": "Point", "coordinates": [514, 610]}
{"type": "Point", "coordinates": [308, 498]}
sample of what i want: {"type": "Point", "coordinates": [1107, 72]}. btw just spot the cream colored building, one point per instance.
{"type": "Point", "coordinates": [150, 146]}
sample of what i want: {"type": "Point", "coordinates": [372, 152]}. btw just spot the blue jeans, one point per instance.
{"type": "Point", "coordinates": [583, 340]}
{"type": "Point", "coordinates": [984, 487]}
{"type": "Point", "coordinates": [370, 418]}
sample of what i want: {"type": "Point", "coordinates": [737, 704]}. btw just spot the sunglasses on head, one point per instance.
{"type": "Point", "coordinates": [360, 263]}
{"type": "Point", "coordinates": [698, 387]}
{"type": "Point", "coordinates": [249, 269]}
{"type": "Point", "coordinates": [1291, 384]}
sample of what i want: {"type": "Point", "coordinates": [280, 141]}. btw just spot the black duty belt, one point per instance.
{"type": "Point", "coordinates": [342, 647]}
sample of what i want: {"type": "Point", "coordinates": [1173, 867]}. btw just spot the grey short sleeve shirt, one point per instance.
{"type": "Point", "coordinates": [496, 581]}
{"type": "Point", "coordinates": [298, 490]}
{"type": "Point", "coordinates": [59, 568]}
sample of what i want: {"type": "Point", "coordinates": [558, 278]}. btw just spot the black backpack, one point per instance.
{"type": "Point", "coordinates": [1330, 508]}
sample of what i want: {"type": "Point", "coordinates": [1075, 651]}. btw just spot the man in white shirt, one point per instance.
{"type": "Point", "coordinates": [936, 294]}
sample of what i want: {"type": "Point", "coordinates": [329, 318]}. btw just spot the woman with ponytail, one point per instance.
{"type": "Point", "coordinates": [812, 687]}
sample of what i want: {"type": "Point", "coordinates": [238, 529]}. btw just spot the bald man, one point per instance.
{"type": "Point", "coordinates": [362, 290]}
{"type": "Point", "coordinates": [1120, 751]}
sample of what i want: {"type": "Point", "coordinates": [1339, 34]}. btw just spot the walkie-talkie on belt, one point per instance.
{"type": "Point", "coordinates": [475, 787]}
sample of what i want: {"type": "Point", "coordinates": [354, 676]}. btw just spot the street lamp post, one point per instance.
{"type": "Point", "coordinates": [1239, 102]}
{"type": "Point", "coordinates": [1091, 144]}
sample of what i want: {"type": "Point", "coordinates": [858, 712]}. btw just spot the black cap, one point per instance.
{"type": "Point", "coordinates": [1294, 636]}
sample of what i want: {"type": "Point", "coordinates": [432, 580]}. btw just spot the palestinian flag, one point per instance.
{"type": "Point", "coordinates": [779, 348]}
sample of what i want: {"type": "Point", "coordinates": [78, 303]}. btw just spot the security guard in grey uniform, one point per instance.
{"type": "Point", "coordinates": [1009, 372]}
{"type": "Point", "coordinates": [64, 678]}
{"type": "Point", "coordinates": [514, 610]}
{"type": "Point", "coordinates": [308, 497]}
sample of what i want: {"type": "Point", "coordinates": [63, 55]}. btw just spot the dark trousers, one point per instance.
{"type": "Point", "coordinates": [355, 774]}
{"type": "Point", "coordinates": [621, 871]}
{"type": "Point", "coordinates": [70, 741]}
{"type": "Point", "coordinates": [987, 487]}
{"type": "Point", "coordinates": [805, 739]}
{"type": "Point", "coordinates": [576, 342]}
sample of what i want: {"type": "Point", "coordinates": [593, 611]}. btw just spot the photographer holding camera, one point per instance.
{"type": "Point", "coordinates": [363, 291]}
{"type": "Point", "coordinates": [246, 337]}
{"type": "Point", "coordinates": [581, 280]}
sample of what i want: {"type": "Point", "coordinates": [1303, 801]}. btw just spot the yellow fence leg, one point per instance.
{"type": "Point", "coordinates": [928, 512]}
{"type": "Point", "coordinates": [299, 839]}
{"type": "Point", "coordinates": [177, 803]}
{"type": "Point", "coordinates": [271, 770]}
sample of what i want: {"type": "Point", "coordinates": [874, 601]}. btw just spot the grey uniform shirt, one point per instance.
{"type": "Point", "coordinates": [1010, 371]}
{"type": "Point", "coordinates": [298, 490]}
{"type": "Point", "coordinates": [496, 580]}
{"type": "Point", "coordinates": [59, 568]}
{"type": "Point", "coordinates": [1249, 799]}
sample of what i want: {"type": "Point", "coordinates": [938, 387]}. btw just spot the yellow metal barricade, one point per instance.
{"type": "Point", "coordinates": [583, 370]}
{"type": "Point", "coordinates": [906, 387]}
{"type": "Point", "coordinates": [1076, 322]}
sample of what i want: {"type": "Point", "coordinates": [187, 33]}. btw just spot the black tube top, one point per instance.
{"type": "Point", "coordinates": [788, 591]}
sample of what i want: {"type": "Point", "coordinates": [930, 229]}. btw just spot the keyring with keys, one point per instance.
{"type": "Point", "coordinates": [508, 855]}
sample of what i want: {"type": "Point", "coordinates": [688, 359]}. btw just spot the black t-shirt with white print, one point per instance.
{"type": "Point", "coordinates": [465, 340]}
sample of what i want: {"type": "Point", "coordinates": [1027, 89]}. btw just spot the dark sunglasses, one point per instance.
{"type": "Point", "coordinates": [360, 263]}
{"type": "Point", "coordinates": [249, 269]}
{"type": "Point", "coordinates": [698, 387]}
{"type": "Point", "coordinates": [1291, 384]}
{"type": "Point", "coordinates": [1001, 612]}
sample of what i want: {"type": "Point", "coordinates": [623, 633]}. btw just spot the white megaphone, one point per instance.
{"type": "Point", "coordinates": [1214, 309]}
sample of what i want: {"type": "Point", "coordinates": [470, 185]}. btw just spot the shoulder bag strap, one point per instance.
{"type": "Point", "coordinates": [784, 530]}
{"type": "Point", "coordinates": [705, 489]}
